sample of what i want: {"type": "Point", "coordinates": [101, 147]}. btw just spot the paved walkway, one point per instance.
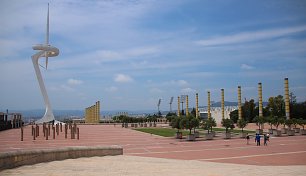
{"type": "Point", "coordinates": [281, 151]}
{"type": "Point", "coordinates": [146, 166]}
{"type": "Point", "coordinates": [151, 155]}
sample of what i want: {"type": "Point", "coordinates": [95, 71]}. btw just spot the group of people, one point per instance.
{"type": "Point", "coordinates": [266, 138]}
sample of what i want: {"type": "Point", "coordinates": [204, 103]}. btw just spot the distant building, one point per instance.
{"type": "Point", "coordinates": [216, 112]}
{"type": "Point", "coordinates": [10, 120]}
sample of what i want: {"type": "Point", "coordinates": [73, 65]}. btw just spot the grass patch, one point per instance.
{"type": "Point", "coordinates": [165, 132]}
{"type": "Point", "coordinates": [233, 130]}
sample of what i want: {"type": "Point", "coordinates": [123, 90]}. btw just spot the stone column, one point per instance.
{"type": "Point", "coordinates": [287, 109]}
{"type": "Point", "coordinates": [86, 116]}
{"type": "Point", "coordinates": [197, 105]}
{"type": "Point", "coordinates": [187, 111]}
{"type": "Point", "coordinates": [260, 113]}
{"type": "Point", "coordinates": [208, 105]}
{"type": "Point", "coordinates": [178, 106]}
{"type": "Point", "coordinates": [222, 102]}
{"type": "Point", "coordinates": [239, 103]}
{"type": "Point", "coordinates": [98, 112]}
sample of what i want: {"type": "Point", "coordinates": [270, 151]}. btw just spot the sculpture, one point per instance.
{"type": "Point", "coordinates": [44, 50]}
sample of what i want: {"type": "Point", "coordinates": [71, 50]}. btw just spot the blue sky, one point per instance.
{"type": "Point", "coordinates": [128, 54]}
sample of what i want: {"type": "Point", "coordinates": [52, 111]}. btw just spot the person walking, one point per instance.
{"type": "Point", "coordinates": [248, 138]}
{"type": "Point", "coordinates": [265, 139]}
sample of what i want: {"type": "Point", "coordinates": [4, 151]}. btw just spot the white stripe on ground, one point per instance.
{"type": "Point", "coordinates": [250, 156]}
{"type": "Point", "coordinates": [181, 151]}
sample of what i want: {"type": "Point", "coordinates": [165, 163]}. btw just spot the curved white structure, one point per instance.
{"type": "Point", "coordinates": [45, 50]}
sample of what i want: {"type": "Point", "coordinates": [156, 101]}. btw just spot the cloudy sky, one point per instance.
{"type": "Point", "coordinates": [130, 53]}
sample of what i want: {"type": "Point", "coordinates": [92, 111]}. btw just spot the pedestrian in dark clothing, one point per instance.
{"type": "Point", "coordinates": [265, 139]}
{"type": "Point", "coordinates": [258, 139]}
{"type": "Point", "coordinates": [248, 139]}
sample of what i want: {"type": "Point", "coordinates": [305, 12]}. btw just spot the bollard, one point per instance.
{"type": "Point", "coordinates": [34, 134]}
{"type": "Point", "coordinates": [32, 131]}
{"type": "Point", "coordinates": [75, 127]}
{"type": "Point", "coordinates": [37, 130]}
{"type": "Point", "coordinates": [78, 132]}
{"type": "Point", "coordinates": [21, 133]}
{"type": "Point", "coordinates": [46, 129]}
{"type": "Point", "coordinates": [53, 128]}
{"type": "Point", "coordinates": [61, 127]}
{"type": "Point", "coordinates": [49, 129]}
{"type": "Point", "coordinates": [66, 129]}
{"type": "Point", "coordinates": [57, 129]}
{"type": "Point", "coordinates": [71, 133]}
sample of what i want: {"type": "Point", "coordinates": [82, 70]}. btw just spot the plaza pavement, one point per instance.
{"type": "Point", "coordinates": [287, 155]}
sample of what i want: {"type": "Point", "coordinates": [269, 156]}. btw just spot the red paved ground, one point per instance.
{"type": "Point", "coordinates": [280, 151]}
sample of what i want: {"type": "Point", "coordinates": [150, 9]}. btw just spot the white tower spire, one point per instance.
{"type": "Point", "coordinates": [44, 50]}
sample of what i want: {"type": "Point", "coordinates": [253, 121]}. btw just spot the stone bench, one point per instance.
{"type": "Point", "coordinates": [20, 158]}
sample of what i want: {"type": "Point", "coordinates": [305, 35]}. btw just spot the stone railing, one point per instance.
{"type": "Point", "coordinates": [20, 158]}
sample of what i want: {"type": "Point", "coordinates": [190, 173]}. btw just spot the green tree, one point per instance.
{"type": "Point", "coordinates": [208, 124]}
{"type": "Point", "coordinates": [289, 123]}
{"type": "Point", "coordinates": [248, 110]}
{"type": "Point", "coordinates": [195, 123]}
{"type": "Point", "coordinates": [259, 121]}
{"type": "Point", "coordinates": [301, 122]}
{"type": "Point", "coordinates": [276, 121]}
{"type": "Point", "coordinates": [276, 106]}
{"type": "Point", "coordinates": [270, 120]}
{"type": "Point", "coordinates": [170, 116]}
{"type": "Point", "coordinates": [282, 121]}
{"type": "Point", "coordinates": [227, 123]}
{"type": "Point", "coordinates": [188, 122]}
{"type": "Point", "coordinates": [297, 110]}
{"type": "Point", "coordinates": [241, 123]}
{"type": "Point", "coordinates": [175, 123]}
{"type": "Point", "coordinates": [234, 116]}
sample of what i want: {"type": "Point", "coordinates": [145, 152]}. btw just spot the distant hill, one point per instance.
{"type": "Point", "coordinates": [226, 103]}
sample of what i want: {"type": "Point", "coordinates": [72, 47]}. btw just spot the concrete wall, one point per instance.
{"type": "Point", "coordinates": [19, 158]}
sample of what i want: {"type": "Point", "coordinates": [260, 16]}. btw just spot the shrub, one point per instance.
{"type": "Point", "coordinates": [227, 123]}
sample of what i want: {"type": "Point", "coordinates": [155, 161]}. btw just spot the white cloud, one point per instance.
{"type": "Point", "coordinates": [246, 67]}
{"type": "Point", "coordinates": [122, 78]}
{"type": "Point", "coordinates": [181, 83]}
{"type": "Point", "coordinates": [111, 89]}
{"type": "Point", "coordinates": [130, 53]}
{"type": "Point", "coordinates": [156, 90]}
{"type": "Point", "coordinates": [142, 51]}
{"type": "Point", "coordinates": [73, 82]}
{"type": "Point", "coordinates": [188, 90]}
{"type": "Point", "coordinates": [250, 36]}
{"type": "Point", "coordinates": [61, 88]}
